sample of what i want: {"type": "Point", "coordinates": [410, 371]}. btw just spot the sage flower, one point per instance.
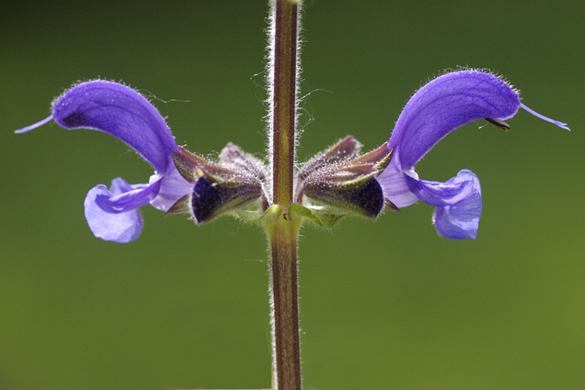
{"type": "Point", "coordinates": [118, 110]}
{"type": "Point", "coordinates": [183, 182]}
{"type": "Point", "coordinates": [439, 107]}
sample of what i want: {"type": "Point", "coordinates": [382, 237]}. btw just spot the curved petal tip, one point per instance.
{"type": "Point", "coordinates": [445, 104]}
{"type": "Point", "coordinates": [120, 111]}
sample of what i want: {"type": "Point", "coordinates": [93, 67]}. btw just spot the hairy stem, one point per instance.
{"type": "Point", "coordinates": [283, 230]}
{"type": "Point", "coordinates": [282, 81]}
{"type": "Point", "coordinates": [282, 238]}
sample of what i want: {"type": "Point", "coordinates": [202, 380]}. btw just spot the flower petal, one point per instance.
{"type": "Point", "coordinates": [135, 196]}
{"type": "Point", "coordinates": [122, 227]}
{"type": "Point", "coordinates": [394, 185]}
{"type": "Point", "coordinates": [458, 204]}
{"type": "Point", "coordinates": [440, 194]}
{"type": "Point", "coordinates": [445, 104]}
{"type": "Point", "coordinates": [439, 107]}
{"type": "Point", "coordinates": [120, 111]}
{"type": "Point", "coordinates": [173, 187]}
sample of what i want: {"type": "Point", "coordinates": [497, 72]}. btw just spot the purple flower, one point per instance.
{"type": "Point", "coordinates": [127, 115]}
{"type": "Point", "coordinates": [336, 183]}
{"type": "Point", "coordinates": [441, 106]}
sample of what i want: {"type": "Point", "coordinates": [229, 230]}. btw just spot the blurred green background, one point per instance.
{"type": "Point", "coordinates": [386, 304]}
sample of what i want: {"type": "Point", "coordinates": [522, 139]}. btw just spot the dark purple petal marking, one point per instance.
{"type": "Point", "coordinates": [364, 197]}
{"type": "Point", "coordinates": [206, 199]}
{"type": "Point", "coordinates": [445, 104]}
{"type": "Point", "coordinates": [122, 227]}
{"type": "Point", "coordinates": [119, 111]}
{"type": "Point", "coordinates": [368, 198]}
{"type": "Point", "coordinates": [213, 197]}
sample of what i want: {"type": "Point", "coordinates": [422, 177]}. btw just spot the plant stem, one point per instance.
{"type": "Point", "coordinates": [283, 230]}
{"type": "Point", "coordinates": [284, 304]}
{"type": "Point", "coordinates": [283, 100]}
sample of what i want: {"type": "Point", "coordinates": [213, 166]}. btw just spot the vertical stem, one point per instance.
{"type": "Point", "coordinates": [285, 314]}
{"type": "Point", "coordinates": [284, 94]}
{"type": "Point", "coordinates": [283, 231]}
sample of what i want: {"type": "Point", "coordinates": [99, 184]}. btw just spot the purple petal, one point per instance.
{"type": "Point", "coordinates": [445, 104]}
{"type": "Point", "coordinates": [120, 111]}
{"type": "Point", "coordinates": [459, 201]}
{"type": "Point", "coordinates": [173, 187]}
{"type": "Point", "coordinates": [122, 227]}
{"type": "Point", "coordinates": [135, 196]}
{"type": "Point", "coordinates": [445, 194]}
{"type": "Point", "coordinates": [394, 185]}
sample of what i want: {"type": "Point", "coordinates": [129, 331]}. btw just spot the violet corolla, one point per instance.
{"type": "Point", "coordinates": [112, 214]}
{"type": "Point", "coordinates": [439, 107]}
{"type": "Point", "coordinates": [118, 110]}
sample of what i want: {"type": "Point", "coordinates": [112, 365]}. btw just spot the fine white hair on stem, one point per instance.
{"type": "Point", "coordinates": [269, 102]}
{"type": "Point", "coordinates": [270, 55]}
{"type": "Point", "coordinates": [282, 84]}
